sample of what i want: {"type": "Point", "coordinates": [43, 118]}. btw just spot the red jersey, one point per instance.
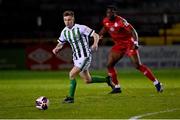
{"type": "Point", "coordinates": [118, 29]}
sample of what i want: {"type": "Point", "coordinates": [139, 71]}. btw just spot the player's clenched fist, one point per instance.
{"type": "Point", "coordinates": [55, 51]}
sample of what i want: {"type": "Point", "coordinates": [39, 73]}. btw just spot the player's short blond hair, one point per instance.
{"type": "Point", "coordinates": [68, 13]}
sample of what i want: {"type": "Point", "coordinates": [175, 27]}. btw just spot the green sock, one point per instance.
{"type": "Point", "coordinates": [72, 88]}
{"type": "Point", "coordinates": [98, 80]}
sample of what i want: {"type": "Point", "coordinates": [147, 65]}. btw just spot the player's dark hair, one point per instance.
{"type": "Point", "coordinates": [112, 7]}
{"type": "Point", "coordinates": [68, 13]}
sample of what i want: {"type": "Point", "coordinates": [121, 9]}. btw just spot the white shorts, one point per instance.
{"type": "Point", "coordinates": [83, 63]}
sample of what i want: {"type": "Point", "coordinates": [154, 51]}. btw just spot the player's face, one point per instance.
{"type": "Point", "coordinates": [69, 21]}
{"type": "Point", "coordinates": [110, 14]}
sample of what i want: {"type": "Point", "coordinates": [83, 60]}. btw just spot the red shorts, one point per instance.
{"type": "Point", "coordinates": [125, 47]}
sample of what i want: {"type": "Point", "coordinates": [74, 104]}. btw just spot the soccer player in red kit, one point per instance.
{"type": "Point", "coordinates": [125, 40]}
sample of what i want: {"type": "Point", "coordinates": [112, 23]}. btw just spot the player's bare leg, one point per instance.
{"type": "Point", "coordinates": [72, 75]}
{"type": "Point", "coordinates": [135, 58]}
{"type": "Point", "coordinates": [113, 58]}
{"type": "Point", "coordinates": [85, 75]}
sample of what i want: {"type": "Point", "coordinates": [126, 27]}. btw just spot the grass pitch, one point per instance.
{"type": "Point", "coordinates": [19, 90]}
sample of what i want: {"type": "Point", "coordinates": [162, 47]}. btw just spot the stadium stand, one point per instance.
{"type": "Point", "coordinates": [18, 19]}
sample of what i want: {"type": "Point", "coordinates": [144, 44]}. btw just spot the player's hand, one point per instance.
{"type": "Point", "coordinates": [94, 47]}
{"type": "Point", "coordinates": [136, 45]}
{"type": "Point", "coordinates": [101, 37]}
{"type": "Point", "coordinates": [55, 50]}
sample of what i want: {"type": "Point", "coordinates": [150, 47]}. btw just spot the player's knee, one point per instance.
{"type": "Point", "coordinates": [71, 76]}
{"type": "Point", "coordinates": [140, 67]}
{"type": "Point", "coordinates": [87, 81]}
{"type": "Point", "coordinates": [109, 66]}
{"type": "Point", "coordinates": [137, 66]}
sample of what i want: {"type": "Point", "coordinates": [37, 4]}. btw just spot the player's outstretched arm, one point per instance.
{"type": "Point", "coordinates": [135, 36]}
{"type": "Point", "coordinates": [57, 48]}
{"type": "Point", "coordinates": [101, 33]}
{"type": "Point", "coordinates": [96, 40]}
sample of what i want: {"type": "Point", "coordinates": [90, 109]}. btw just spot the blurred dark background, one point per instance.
{"type": "Point", "coordinates": [43, 18]}
{"type": "Point", "coordinates": [26, 23]}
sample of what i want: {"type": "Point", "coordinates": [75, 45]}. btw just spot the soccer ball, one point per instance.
{"type": "Point", "coordinates": [42, 103]}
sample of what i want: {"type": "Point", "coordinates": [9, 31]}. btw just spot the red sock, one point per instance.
{"type": "Point", "coordinates": [147, 72]}
{"type": "Point", "coordinates": [112, 73]}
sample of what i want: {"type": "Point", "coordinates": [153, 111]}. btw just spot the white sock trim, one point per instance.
{"type": "Point", "coordinates": [156, 82]}
{"type": "Point", "coordinates": [117, 86]}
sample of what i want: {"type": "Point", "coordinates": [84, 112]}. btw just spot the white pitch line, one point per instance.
{"type": "Point", "coordinates": [153, 113]}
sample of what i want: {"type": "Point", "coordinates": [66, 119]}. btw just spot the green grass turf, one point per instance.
{"type": "Point", "coordinates": [19, 90]}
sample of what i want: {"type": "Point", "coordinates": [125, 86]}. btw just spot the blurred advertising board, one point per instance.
{"type": "Point", "coordinates": [152, 56]}
{"type": "Point", "coordinates": [40, 57]}
{"type": "Point", "coordinates": [12, 58]}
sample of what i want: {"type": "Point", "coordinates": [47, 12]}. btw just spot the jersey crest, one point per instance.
{"type": "Point", "coordinates": [115, 24]}
{"type": "Point", "coordinates": [107, 24]}
{"type": "Point", "coordinates": [111, 29]}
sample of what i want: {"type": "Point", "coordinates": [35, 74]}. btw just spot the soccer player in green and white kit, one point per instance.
{"type": "Point", "coordinates": [78, 37]}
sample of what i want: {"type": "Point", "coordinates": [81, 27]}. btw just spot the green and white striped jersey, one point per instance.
{"type": "Point", "coordinates": [78, 38]}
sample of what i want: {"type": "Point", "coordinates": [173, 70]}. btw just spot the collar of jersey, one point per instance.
{"type": "Point", "coordinates": [72, 27]}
